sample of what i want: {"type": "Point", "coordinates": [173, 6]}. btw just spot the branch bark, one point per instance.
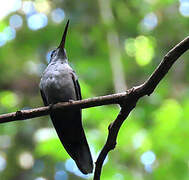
{"type": "Point", "coordinates": [127, 101]}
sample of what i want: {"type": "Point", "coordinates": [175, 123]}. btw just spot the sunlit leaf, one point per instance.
{"type": "Point", "coordinates": [130, 47]}
{"type": "Point", "coordinates": [8, 99]}
{"type": "Point", "coordinates": [144, 50]}
{"type": "Point", "coordinates": [53, 148]}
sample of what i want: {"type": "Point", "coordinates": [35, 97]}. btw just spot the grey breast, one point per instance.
{"type": "Point", "coordinates": [57, 83]}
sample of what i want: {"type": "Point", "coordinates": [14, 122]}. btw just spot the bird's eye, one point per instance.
{"type": "Point", "coordinates": [52, 53]}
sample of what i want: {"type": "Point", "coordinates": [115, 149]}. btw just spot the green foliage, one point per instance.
{"type": "Point", "coordinates": [142, 48]}
{"type": "Point", "coordinates": [159, 123]}
{"type": "Point", "coordinates": [48, 148]}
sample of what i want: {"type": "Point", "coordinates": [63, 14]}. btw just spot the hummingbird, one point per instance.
{"type": "Point", "coordinates": [59, 83]}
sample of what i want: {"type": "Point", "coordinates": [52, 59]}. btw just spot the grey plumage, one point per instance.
{"type": "Point", "coordinates": [59, 83]}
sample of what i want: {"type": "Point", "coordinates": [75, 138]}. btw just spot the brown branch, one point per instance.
{"type": "Point", "coordinates": [127, 100]}
{"type": "Point", "coordinates": [86, 103]}
{"type": "Point", "coordinates": [111, 140]}
{"type": "Point", "coordinates": [134, 95]}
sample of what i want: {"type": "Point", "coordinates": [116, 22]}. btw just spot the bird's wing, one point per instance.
{"type": "Point", "coordinates": [76, 86]}
{"type": "Point", "coordinates": [69, 128]}
{"type": "Point", "coordinates": [43, 97]}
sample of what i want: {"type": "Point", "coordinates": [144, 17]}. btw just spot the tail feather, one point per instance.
{"type": "Point", "coordinates": [69, 128]}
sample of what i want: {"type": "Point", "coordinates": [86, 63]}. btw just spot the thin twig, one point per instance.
{"type": "Point", "coordinates": [111, 140]}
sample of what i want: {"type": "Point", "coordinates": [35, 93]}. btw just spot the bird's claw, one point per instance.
{"type": "Point", "coordinates": [51, 107]}
{"type": "Point", "coordinates": [71, 100]}
{"type": "Point", "coordinates": [19, 113]}
{"type": "Point", "coordinates": [130, 90]}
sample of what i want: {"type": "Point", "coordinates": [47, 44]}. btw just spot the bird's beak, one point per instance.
{"type": "Point", "coordinates": [62, 44]}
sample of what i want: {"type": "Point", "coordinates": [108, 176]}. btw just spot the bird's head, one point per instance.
{"type": "Point", "coordinates": [60, 51]}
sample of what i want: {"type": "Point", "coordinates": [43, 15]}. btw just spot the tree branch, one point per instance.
{"type": "Point", "coordinates": [133, 95]}
{"type": "Point", "coordinates": [127, 101]}
{"type": "Point", "coordinates": [86, 103]}
{"type": "Point", "coordinates": [111, 140]}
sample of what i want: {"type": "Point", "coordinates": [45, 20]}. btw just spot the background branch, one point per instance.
{"type": "Point", "coordinates": [134, 95]}
{"type": "Point", "coordinates": [127, 100]}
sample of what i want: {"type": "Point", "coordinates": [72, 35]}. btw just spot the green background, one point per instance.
{"type": "Point", "coordinates": [153, 141]}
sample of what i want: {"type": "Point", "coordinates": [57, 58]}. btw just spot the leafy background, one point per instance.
{"type": "Point", "coordinates": [112, 45]}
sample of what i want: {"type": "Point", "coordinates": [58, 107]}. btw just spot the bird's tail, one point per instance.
{"type": "Point", "coordinates": [70, 131]}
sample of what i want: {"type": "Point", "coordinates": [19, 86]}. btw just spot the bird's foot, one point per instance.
{"type": "Point", "coordinates": [19, 113]}
{"type": "Point", "coordinates": [51, 106]}
{"type": "Point", "coordinates": [71, 101]}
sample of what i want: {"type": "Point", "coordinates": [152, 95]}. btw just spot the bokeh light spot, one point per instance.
{"type": "Point", "coordinates": [61, 175]}
{"type": "Point", "coordinates": [28, 7]}
{"type": "Point", "coordinates": [44, 134]}
{"type": "Point", "coordinates": [57, 15]}
{"type": "Point", "coordinates": [148, 168]}
{"type": "Point", "coordinates": [2, 39]}
{"type": "Point", "coordinates": [144, 50]}
{"type": "Point", "coordinates": [10, 33]}
{"type": "Point", "coordinates": [26, 160]}
{"type": "Point", "coordinates": [37, 21]}
{"type": "Point", "coordinates": [138, 139]}
{"type": "Point", "coordinates": [16, 21]}
{"type": "Point", "coordinates": [148, 158]}
{"type": "Point", "coordinates": [3, 163]}
{"type": "Point", "coordinates": [42, 6]}
{"type": "Point", "coordinates": [150, 21]}
{"type": "Point", "coordinates": [130, 47]}
{"type": "Point", "coordinates": [184, 8]}
{"type": "Point", "coordinates": [40, 178]}
{"type": "Point", "coordinates": [8, 99]}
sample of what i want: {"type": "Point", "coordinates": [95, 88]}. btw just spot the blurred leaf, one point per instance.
{"type": "Point", "coordinates": [8, 99]}
{"type": "Point", "coordinates": [53, 148]}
